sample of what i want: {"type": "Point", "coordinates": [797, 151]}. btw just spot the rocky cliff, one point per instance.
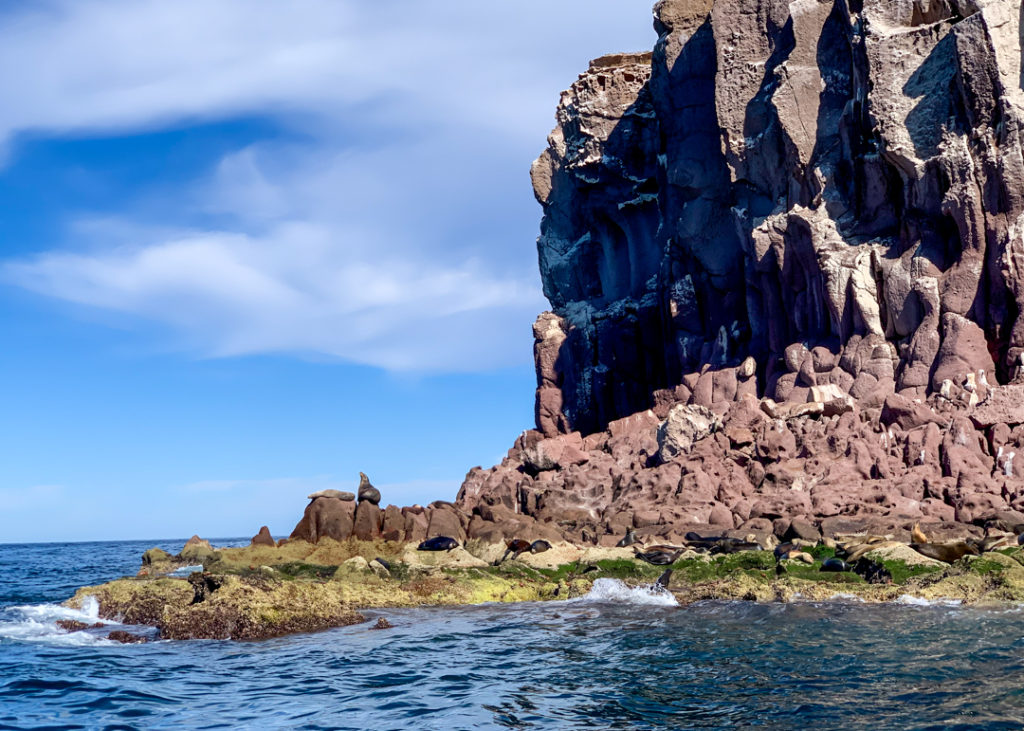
{"type": "Point", "coordinates": [831, 189]}
{"type": "Point", "coordinates": [785, 261]}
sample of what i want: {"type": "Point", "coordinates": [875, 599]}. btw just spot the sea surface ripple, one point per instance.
{"type": "Point", "coordinates": [618, 659]}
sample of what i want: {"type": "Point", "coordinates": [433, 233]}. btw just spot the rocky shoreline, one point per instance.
{"type": "Point", "coordinates": [260, 591]}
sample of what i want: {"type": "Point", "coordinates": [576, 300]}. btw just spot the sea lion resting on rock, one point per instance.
{"type": "Point", "coordinates": [659, 555]}
{"type": "Point", "coordinates": [946, 552]}
{"type": "Point", "coordinates": [539, 546]}
{"type": "Point", "coordinates": [835, 565]}
{"type": "Point", "coordinates": [438, 543]}
{"type": "Point", "coordinates": [720, 544]}
{"type": "Point", "coordinates": [791, 552]}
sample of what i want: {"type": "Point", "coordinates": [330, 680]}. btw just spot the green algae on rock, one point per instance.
{"type": "Point", "coordinates": [260, 592]}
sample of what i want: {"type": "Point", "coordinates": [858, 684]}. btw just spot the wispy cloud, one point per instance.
{"type": "Point", "coordinates": [394, 229]}
{"type": "Point", "coordinates": [294, 290]}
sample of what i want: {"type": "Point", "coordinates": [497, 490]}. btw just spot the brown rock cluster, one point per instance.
{"type": "Point", "coordinates": [755, 467]}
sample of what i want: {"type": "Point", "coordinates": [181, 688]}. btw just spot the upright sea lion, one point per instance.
{"type": "Point", "coordinates": [438, 543]}
{"type": "Point", "coordinates": [627, 540]}
{"type": "Point", "coordinates": [917, 535]}
{"type": "Point", "coordinates": [664, 579]}
{"type": "Point", "coordinates": [946, 552]}
{"type": "Point", "coordinates": [367, 491]}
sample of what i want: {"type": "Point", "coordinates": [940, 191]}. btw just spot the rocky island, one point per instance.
{"type": "Point", "coordinates": [784, 253]}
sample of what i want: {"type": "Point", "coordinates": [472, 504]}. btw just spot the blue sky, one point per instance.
{"type": "Point", "coordinates": [248, 249]}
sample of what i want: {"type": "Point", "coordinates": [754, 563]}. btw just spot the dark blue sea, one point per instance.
{"type": "Point", "coordinates": [618, 659]}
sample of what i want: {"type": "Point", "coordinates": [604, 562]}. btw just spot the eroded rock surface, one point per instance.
{"type": "Point", "coordinates": [785, 261]}
{"type": "Point", "coordinates": [831, 189]}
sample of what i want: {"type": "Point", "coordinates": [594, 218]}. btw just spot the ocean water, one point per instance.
{"type": "Point", "coordinates": [618, 659]}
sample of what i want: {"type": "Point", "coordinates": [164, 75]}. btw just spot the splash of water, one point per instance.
{"type": "Point", "coordinates": [613, 591]}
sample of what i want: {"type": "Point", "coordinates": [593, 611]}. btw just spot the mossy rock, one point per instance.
{"type": "Point", "coordinates": [156, 555]}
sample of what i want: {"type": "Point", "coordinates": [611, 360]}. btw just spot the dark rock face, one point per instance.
{"type": "Point", "coordinates": [830, 189]}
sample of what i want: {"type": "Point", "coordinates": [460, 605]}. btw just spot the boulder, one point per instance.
{"type": "Point", "coordinates": [684, 427]}
{"type": "Point", "coordinates": [196, 549]}
{"type": "Point", "coordinates": [367, 522]}
{"type": "Point", "coordinates": [263, 538]}
{"type": "Point", "coordinates": [326, 517]}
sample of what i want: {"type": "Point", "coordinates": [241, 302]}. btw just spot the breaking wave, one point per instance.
{"type": "Point", "coordinates": [613, 591]}
{"type": "Point", "coordinates": [38, 623]}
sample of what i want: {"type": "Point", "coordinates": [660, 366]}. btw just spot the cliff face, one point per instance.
{"type": "Point", "coordinates": [785, 199]}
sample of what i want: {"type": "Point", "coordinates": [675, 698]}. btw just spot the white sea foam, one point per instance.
{"type": "Point", "coordinates": [184, 571]}
{"type": "Point", "coordinates": [38, 623]}
{"type": "Point", "coordinates": [613, 591]}
{"type": "Point", "coordinates": [916, 601]}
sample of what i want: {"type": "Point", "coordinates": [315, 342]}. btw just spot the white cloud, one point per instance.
{"type": "Point", "coordinates": [394, 229]}
{"type": "Point", "coordinates": [295, 290]}
{"type": "Point", "coordinates": [121, 64]}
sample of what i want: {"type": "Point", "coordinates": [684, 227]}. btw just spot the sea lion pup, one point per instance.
{"type": "Point", "coordinates": [946, 552]}
{"type": "Point", "coordinates": [438, 543]}
{"type": "Point", "coordinates": [658, 555]}
{"type": "Point", "coordinates": [367, 491]}
{"type": "Point", "coordinates": [540, 546]}
{"type": "Point", "coordinates": [917, 535]}
{"type": "Point", "coordinates": [515, 547]}
{"type": "Point", "coordinates": [627, 540]}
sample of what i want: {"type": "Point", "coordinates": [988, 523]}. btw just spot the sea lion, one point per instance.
{"type": "Point", "coordinates": [657, 556]}
{"type": "Point", "coordinates": [438, 543]}
{"type": "Point", "coordinates": [368, 492]}
{"type": "Point", "coordinates": [539, 546]}
{"type": "Point", "coordinates": [720, 544]}
{"type": "Point", "coordinates": [835, 565]}
{"type": "Point", "coordinates": [627, 540]}
{"type": "Point", "coordinates": [946, 552]}
{"type": "Point", "coordinates": [734, 545]}
{"type": "Point", "coordinates": [515, 547]}
{"type": "Point", "coordinates": [917, 535]}
{"type": "Point", "coordinates": [664, 579]}
{"type": "Point", "coordinates": [382, 562]}
{"type": "Point", "coordinates": [872, 571]}
{"type": "Point", "coordinates": [782, 550]}
{"type": "Point", "coordinates": [856, 553]}
{"type": "Point", "coordinates": [994, 541]}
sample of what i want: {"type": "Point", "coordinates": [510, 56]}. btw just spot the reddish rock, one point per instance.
{"type": "Point", "coordinates": [392, 524]}
{"type": "Point", "coordinates": [367, 521]}
{"type": "Point", "coordinates": [445, 522]}
{"type": "Point", "coordinates": [326, 517]}
{"type": "Point", "coordinates": [263, 538]}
